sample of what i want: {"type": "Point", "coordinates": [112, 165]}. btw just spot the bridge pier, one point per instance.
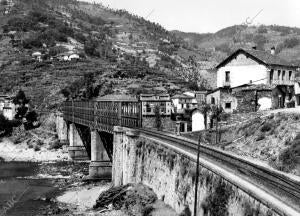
{"type": "Point", "coordinates": [100, 166]}
{"type": "Point", "coordinates": [61, 128]}
{"type": "Point", "coordinates": [77, 151]}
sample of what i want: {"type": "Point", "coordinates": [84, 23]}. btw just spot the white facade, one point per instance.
{"type": "Point", "coordinates": [297, 93]}
{"type": "Point", "coordinates": [197, 121]}
{"type": "Point", "coordinates": [242, 70]}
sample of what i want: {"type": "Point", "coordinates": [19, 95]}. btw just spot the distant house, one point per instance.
{"type": "Point", "coordinates": [254, 68]}
{"type": "Point", "coordinates": [7, 107]}
{"type": "Point", "coordinates": [150, 101]}
{"type": "Point", "coordinates": [37, 56]}
{"type": "Point", "coordinates": [67, 56]}
{"type": "Point", "coordinates": [182, 102]}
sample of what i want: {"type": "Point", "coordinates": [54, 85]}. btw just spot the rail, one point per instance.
{"type": "Point", "coordinates": [279, 185]}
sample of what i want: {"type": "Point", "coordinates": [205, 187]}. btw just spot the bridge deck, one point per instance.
{"type": "Point", "coordinates": [104, 115]}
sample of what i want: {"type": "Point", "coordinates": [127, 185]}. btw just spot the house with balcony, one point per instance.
{"type": "Point", "coordinates": [150, 101]}
{"type": "Point", "coordinates": [254, 67]}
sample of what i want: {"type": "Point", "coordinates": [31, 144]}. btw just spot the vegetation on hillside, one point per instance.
{"type": "Point", "coordinates": [119, 53]}
{"type": "Point", "coordinates": [220, 44]}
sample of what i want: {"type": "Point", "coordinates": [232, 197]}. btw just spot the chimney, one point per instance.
{"type": "Point", "coordinates": [273, 50]}
{"type": "Point", "coordinates": [254, 47]}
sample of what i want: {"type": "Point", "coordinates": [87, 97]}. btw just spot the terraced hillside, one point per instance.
{"type": "Point", "coordinates": [119, 52]}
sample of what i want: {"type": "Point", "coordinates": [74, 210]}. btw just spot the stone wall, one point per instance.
{"type": "Point", "coordinates": [167, 123]}
{"type": "Point", "coordinates": [172, 177]}
{"type": "Point", "coordinates": [246, 100]}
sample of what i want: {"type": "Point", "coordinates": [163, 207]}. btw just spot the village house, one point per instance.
{"type": "Point", "coordinates": [7, 107]}
{"type": "Point", "coordinates": [274, 76]}
{"type": "Point", "coordinates": [200, 96]}
{"type": "Point", "coordinates": [150, 101]}
{"type": "Point", "coordinates": [182, 102]}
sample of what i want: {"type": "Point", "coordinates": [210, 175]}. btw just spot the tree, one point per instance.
{"type": "Point", "coordinates": [158, 122]}
{"type": "Point", "coordinates": [204, 109]}
{"type": "Point", "coordinates": [20, 98]}
{"type": "Point", "coordinates": [217, 111]}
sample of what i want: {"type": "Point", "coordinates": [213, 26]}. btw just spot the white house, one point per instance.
{"type": "Point", "coordinates": [197, 120]}
{"type": "Point", "coordinates": [37, 56]}
{"type": "Point", "coordinates": [254, 66]}
{"type": "Point", "coordinates": [7, 107]}
{"type": "Point", "coordinates": [182, 102]}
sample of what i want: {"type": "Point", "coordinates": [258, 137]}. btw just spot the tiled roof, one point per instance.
{"type": "Point", "coordinates": [116, 97]}
{"type": "Point", "coordinates": [268, 58]}
{"type": "Point", "coordinates": [182, 96]}
{"type": "Point", "coordinates": [263, 57]}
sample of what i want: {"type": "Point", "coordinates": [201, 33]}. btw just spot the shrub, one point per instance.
{"type": "Point", "coordinates": [216, 202]}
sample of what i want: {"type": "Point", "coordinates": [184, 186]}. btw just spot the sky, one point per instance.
{"type": "Point", "coordinates": [203, 16]}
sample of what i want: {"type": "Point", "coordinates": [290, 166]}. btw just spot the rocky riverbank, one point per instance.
{"type": "Point", "coordinates": [23, 151]}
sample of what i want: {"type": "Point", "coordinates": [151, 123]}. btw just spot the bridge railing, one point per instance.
{"type": "Point", "coordinates": [104, 115]}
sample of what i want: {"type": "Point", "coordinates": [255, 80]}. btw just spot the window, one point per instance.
{"type": "Point", "coordinates": [283, 75]}
{"type": "Point", "coordinates": [148, 108]}
{"type": "Point", "coordinates": [279, 74]}
{"type": "Point", "coordinates": [290, 75]}
{"type": "Point", "coordinates": [271, 75]}
{"type": "Point", "coordinates": [228, 105]}
{"type": "Point", "coordinates": [212, 100]}
{"type": "Point", "coordinates": [227, 76]}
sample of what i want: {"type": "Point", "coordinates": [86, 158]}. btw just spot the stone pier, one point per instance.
{"type": "Point", "coordinates": [61, 128]}
{"type": "Point", "coordinates": [100, 166]}
{"type": "Point", "coordinates": [77, 151]}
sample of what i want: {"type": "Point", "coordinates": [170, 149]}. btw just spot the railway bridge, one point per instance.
{"type": "Point", "coordinates": [110, 134]}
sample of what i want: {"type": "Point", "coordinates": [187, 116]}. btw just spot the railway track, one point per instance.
{"type": "Point", "coordinates": [279, 185]}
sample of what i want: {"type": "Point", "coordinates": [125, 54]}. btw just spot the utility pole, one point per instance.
{"type": "Point", "coordinates": [197, 176]}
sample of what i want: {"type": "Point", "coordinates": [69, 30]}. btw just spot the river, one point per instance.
{"type": "Point", "coordinates": [28, 189]}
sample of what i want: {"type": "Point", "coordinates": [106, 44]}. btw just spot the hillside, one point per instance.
{"type": "Point", "coordinates": [219, 45]}
{"type": "Point", "coordinates": [119, 53]}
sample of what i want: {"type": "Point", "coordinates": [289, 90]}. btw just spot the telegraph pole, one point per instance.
{"type": "Point", "coordinates": [197, 176]}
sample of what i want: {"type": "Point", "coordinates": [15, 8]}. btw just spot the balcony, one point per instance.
{"type": "Point", "coordinates": [282, 82]}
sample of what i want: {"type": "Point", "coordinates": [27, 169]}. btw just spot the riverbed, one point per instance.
{"type": "Point", "coordinates": [28, 188]}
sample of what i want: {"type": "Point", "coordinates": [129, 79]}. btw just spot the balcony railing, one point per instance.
{"type": "Point", "coordinates": [282, 82]}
